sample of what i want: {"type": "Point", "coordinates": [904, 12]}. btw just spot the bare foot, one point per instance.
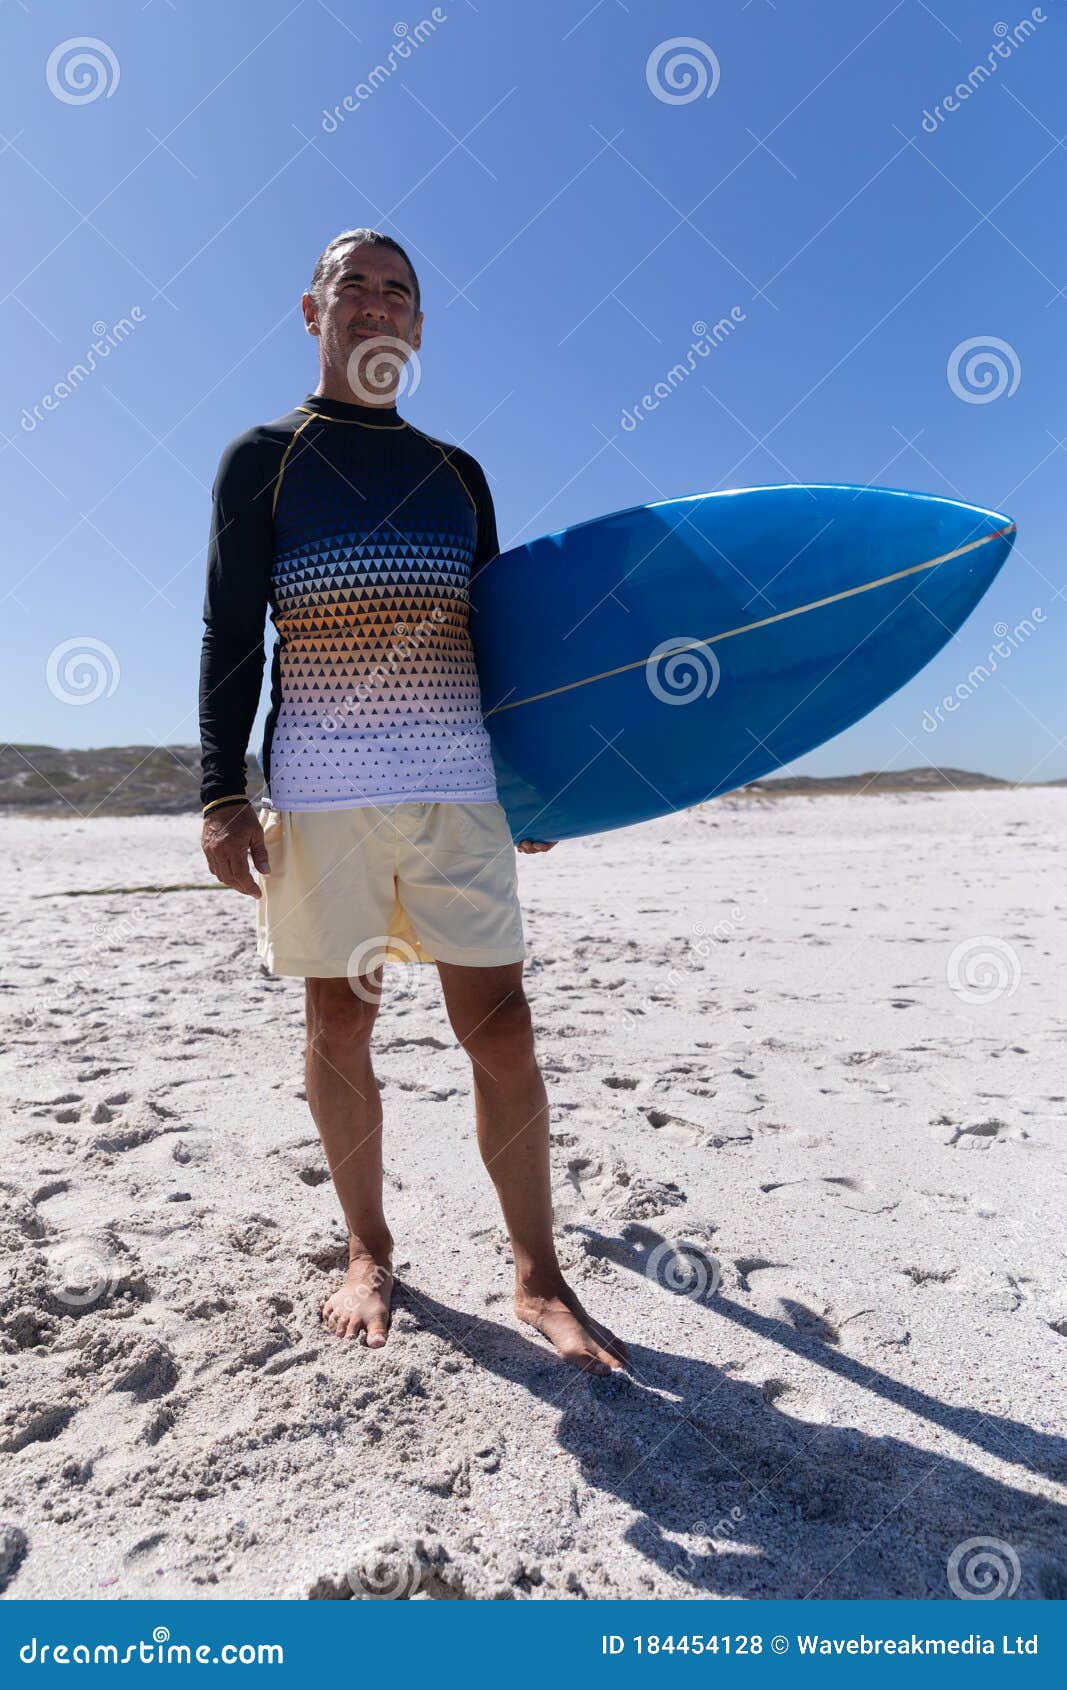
{"type": "Point", "coordinates": [578, 1338]}
{"type": "Point", "coordinates": [363, 1301]}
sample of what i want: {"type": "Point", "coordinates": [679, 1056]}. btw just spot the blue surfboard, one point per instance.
{"type": "Point", "coordinates": [660, 656]}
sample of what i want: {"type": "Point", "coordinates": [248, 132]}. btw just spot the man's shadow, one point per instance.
{"type": "Point", "coordinates": [795, 1509]}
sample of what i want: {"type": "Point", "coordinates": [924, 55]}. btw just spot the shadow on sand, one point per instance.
{"type": "Point", "coordinates": [795, 1509]}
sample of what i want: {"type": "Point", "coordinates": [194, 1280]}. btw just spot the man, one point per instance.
{"type": "Point", "coordinates": [380, 834]}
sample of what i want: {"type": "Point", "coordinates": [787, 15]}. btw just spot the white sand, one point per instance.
{"type": "Point", "coordinates": [866, 1152]}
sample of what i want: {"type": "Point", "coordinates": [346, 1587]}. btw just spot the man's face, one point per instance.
{"type": "Point", "coordinates": [369, 293]}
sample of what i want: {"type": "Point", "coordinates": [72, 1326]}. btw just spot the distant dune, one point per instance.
{"type": "Point", "coordinates": [883, 780]}
{"type": "Point", "coordinates": [150, 780]}
{"type": "Point", "coordinates": [120, 780]}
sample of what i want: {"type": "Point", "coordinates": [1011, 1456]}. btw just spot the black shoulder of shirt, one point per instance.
{"type": "Point", "coordinates": [256, 453]}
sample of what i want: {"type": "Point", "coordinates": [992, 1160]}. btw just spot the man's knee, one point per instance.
{"type": "Point", "coordinates": [338, 1014]}
{"type": "Point", "coordinates": [505, 1033]}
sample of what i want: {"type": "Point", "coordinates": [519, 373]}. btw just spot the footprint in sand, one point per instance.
{"type": "Point", "coordinates": [35, 1426]}
{"type": "Point", "coordinates": [644, 1199]}
{"type": "Point", "coordinates": [921, 1276]}
{"type": "Point", "coordinates": [776, 1283]}
{"type": "Point", "coordinates": [836, 1182]}
{"type": "Point", "coordinates": [51, 1188]}
{"type": "Point", "coordinates": [254, 1235]}
{"type": "Point", "coordinates": [812, 1322]}
{"type": "Point", "coordinates": [148, 1371]}
{"type": "Point", "coordinates": [143, 1548]}
{"type": "Point", "coordinates": [590, 1187]}
{"type": "Point", "coordinates": [749, 1265]}
{"type": "Point", "coordinates": [796, 1403]}
{"type": "Point", "coordinates": [674, 1127]}
{"type": "Point", "coordinates": [129, 1137]}
{"type": "Point", "coordinates": [982, 1135]}
{"type": "Point", "coordinates": [65, 1108]}
{"type": "Point", "coordinates": [676, 1117]}
{"type": "Point", "coordinates": [315, 1173]}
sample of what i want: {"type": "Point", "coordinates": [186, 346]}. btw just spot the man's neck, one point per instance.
{"type": "Point", "coordinates": [336, 387]}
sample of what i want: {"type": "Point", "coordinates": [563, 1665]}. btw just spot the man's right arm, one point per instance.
{"type": "Point", "coordinates": [236, 598]}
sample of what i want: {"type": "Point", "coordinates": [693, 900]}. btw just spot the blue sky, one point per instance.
{"type": "Point", "coordinates": [569, 226]}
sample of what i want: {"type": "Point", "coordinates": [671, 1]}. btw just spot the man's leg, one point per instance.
{"type": "Point", "coordinates": [343, 1097]}
{"type": "Point", "coordinates": [491, 1018]}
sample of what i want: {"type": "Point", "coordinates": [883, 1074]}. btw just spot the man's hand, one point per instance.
{"type": "Point", "coordinates": [529, 846]}
{"type": "Point", "coordinates": [229, 835]}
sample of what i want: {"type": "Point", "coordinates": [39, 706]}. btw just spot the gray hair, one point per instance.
{"type": "Point", "coordinates": [357, 237]}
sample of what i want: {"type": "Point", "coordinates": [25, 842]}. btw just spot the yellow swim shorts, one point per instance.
{"type": "Point", "coordinates": [350, 889]}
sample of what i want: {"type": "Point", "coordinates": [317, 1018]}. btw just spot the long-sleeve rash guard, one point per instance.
{"type": "Point", "coordinates": [360, 535]}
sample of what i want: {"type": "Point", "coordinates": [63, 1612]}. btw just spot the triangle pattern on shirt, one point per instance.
{"type": "Point", "coordinates": [374, 541]}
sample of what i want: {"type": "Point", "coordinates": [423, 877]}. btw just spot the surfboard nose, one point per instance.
{"type": "Point", "coordinates": [972, 545]}
{"type": "Point", "coordinates": [996, 531]}
{"type": "Point", "coordinates": [990, 545]}
{"type": "Point", "coordinates": [974, 524]}
{"type": "Point", "coordinates": [913, 542]}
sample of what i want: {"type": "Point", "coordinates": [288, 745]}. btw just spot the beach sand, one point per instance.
{"type": "Point", "coordinates": [807, 1064]}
